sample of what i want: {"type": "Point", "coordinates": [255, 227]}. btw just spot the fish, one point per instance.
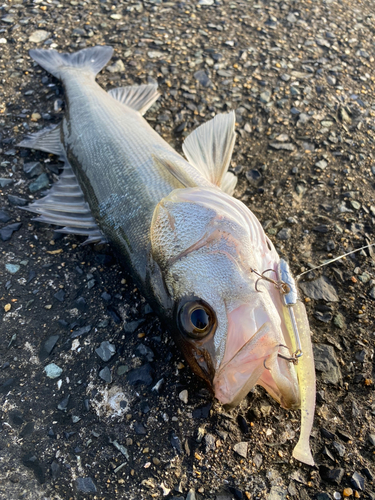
{"type": "Point", "coordinates": [199, 255]}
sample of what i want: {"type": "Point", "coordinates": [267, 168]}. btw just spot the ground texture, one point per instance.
{"type": "Point", "coordinates": [127, 419]}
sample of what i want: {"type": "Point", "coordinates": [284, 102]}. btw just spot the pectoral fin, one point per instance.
{"type": "Point", "coordinates": [209, 149]}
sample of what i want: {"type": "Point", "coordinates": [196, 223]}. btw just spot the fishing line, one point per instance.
{"type": "Point", "coordinates": [334, 260]}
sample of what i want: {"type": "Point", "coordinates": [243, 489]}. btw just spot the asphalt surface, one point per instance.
{"type": "Point", "coordinates": [127, 418]}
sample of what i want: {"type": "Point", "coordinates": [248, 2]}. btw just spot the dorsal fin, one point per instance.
{"type": "Point", "coordinates": [65, 205]}
{"type": "Point", "coordinates": [138, 97]}
{"type": "Point", "coordinates": [209, 149]}
{"type": "Point", "coordinates": [47, 139]}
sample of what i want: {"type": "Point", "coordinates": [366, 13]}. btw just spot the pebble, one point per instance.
{"type": "Point", "coordinates": [357, 481]}
{"type": "Point", "coordinates": [4, 182]}
{"type": "Point", "coordinates": [141, 375]}
{"type": "Point", "coordinates": [371, 439]}
{"type": "Point", "coordinates": [191, 494]}
{"type": "Point", "coordinates": [320, 289]}
{"type": "Point", "coordinates": [265, 97]}
{"type": "Point", "coordinates": [85, 485]}
{"type": "Point", "coordinates": [322, 164]}
{"type": "Point", "coordinates": [53, 371]}
{"type": "Point", "coordinates": [347, 492]}
{"type": "Point", "coordinates": [183, 395]}
{"type": "Point", "coordinates": [7, 231]}
{"type": "Point", "coordinates": [4, 216]}
{"type": "Point", "coordinates": [41, 182]}
{"type": "Point", "coordinates": [206, 3]}
{"type": "Point", "coordinates": [32, 169]}
{"type": "Point", "coordinates": [326, 362]}
{"type": "Point", "coordinates": [117, 67]}
{"type": "Point", "coordinates": [33, 463]}
{"type": "Point", "coordinates": [202, 77]}
{"type": "Point", "coordinates": [284, 234]}
{"type": "Point", "coordinates": [12, 268]}
{"type": "Point", "coordinates": [241, 449]}
{"type": "Point", "coordinates": [106, 350]}
{"type": "Point", "coordinates": [39, 36]}
{"type": "Point", "coordinates": [16, 201]}
{"type": "Point", "coordinates": [106, 375]}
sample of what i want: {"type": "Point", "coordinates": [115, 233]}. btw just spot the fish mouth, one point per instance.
{"type": "Point", "coordinates": [256, 361]}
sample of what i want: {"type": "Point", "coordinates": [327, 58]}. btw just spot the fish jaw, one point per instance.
{"type": "Point", "coordinates": [252, 357]}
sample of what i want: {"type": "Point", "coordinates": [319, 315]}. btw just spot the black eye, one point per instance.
{"type": "Point", "coordinates": [197, 319]}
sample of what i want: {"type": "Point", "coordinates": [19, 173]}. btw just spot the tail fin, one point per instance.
{"type": "Point", "coordinates": [92, 59]}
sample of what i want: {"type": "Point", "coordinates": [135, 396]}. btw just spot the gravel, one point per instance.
{"type": "Point", "coordinates": [301, 79]}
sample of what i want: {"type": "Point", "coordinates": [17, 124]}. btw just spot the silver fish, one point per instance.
{"type": "Point", "coordinates": [200, 256]}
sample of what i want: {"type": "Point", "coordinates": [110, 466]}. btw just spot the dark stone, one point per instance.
{"type": "Point", "coordinates": [27, 430]}
{"type": "Point", "coordinates": [32, 169]}
{"type": "Point", "coordinates": [131, 326]}
{"type": "Point", "coordinates": [284, 234]}
{"type": "Point", "coordinates": [85, 485]}
{"type": "Point", "coordinates": [55, 469]}
{"type": "Point", "coordinates": [202, 411]}
{"type": "Point", "coordinates": [237, 493]}
{"type": "Point", "coordinates": [114, 315]}
{"type": "Point", "coordinates": [33, 463]}
{"type": "Point", "coordinates": [106, 350]}
{"type": "Point", "coordinates": [244, 426]}
{"type": "Point", "coordinates": [105, 374]}
{"type": "Point", "coordinates": [332, 475]}
{"type": "Point", "coordinates": [80, 331]}
{"type": "Point", "coordinates": [324, 317]}
{"type": "Point", "coordinates": [31, 276]}
{"type": "Point", "coordinates": [339, 448]}
{"type": "Point", "coordinates": [60, 295]}
{"type": "Point", "coordinates": [320, 289]}
{"type": "Point", "coordinates": [360, 356]}
{"type": "Point", "coordinates": [141, 375]}
{"type": "Point", "coordinates": [326, 362]}
{"type": "Point", "coordinates": [358, 482]}
{"type": "Point", "coordinates": [323, 496]}
{"type": "Point", "coordinates": [81, 304]}
{"type": "Point", "coordinates": [7, 231]}
{"type": "Point", "coordinates": [106, 296]}
{"type": "Point", "coordinates": [63, 405]}
{"type": "Point", "coordinates": [5, 387]}
{"type": "Point", "coordinates": [202, 77]}
{"type": "Point", "coordinates": [328, 454]}
{"type": "Point", "coordinates": [344, 436]}
{"type": "Point", "coordinates": [48, 346]}
{"type": "Point", "coordinates": [41, 182]}
{"type": "Point", "coordinates": [16, 417]}
{"type": "Point", "coordinates": [175, 442]}
{"type": "Point", "coordinates": [140, 429]}
{"type": "Point", "coordinates": [323, 228]}
{"type": "Point", "coordinates": [4, 216]}
{"type": "Point", "coordinates": [145, 351]}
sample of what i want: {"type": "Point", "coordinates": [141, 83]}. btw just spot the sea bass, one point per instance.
{"type": "Point", "coordinates": [199, 255]}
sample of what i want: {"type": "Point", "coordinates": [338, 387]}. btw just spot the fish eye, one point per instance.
{"type": "Point", "coordinates": [197, 319]}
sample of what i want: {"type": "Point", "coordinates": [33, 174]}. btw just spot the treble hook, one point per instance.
{"type": "Point", "coordinates": [293, 358]}
{"type": "Point", "coordinates": [280, 285]}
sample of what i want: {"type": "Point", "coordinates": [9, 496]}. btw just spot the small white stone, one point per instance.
{"type": "Point", "coordinates": [39, 36]}
{"type": "Point", "coordinates": [53, 371]}
{"type": "Point", "coordinates": [184, 396]}
{"type": "Point", "coordinates": [3, 40]}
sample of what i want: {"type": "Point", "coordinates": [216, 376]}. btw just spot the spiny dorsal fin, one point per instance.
{"type": "Point", "coordinates": [65, 205]}
{"type": "Point", "coordinates": [47, 139]}
{"type": "Point", "coordinates": [209, 148]}
{"type": "Point", "coordinates": [138, 97]}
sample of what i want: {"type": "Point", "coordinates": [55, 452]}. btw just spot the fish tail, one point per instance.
{"type": "Point", "coordinates": [92, 59]}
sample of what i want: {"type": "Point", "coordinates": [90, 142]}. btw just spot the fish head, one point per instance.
{"type": "Point", "coordinates": [228, 322]}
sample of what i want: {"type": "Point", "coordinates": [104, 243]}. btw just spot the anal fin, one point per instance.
{"type": "Point", "coordinates": [65, 205]}
{"type": "Point", "coordinates": [137, 97]}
